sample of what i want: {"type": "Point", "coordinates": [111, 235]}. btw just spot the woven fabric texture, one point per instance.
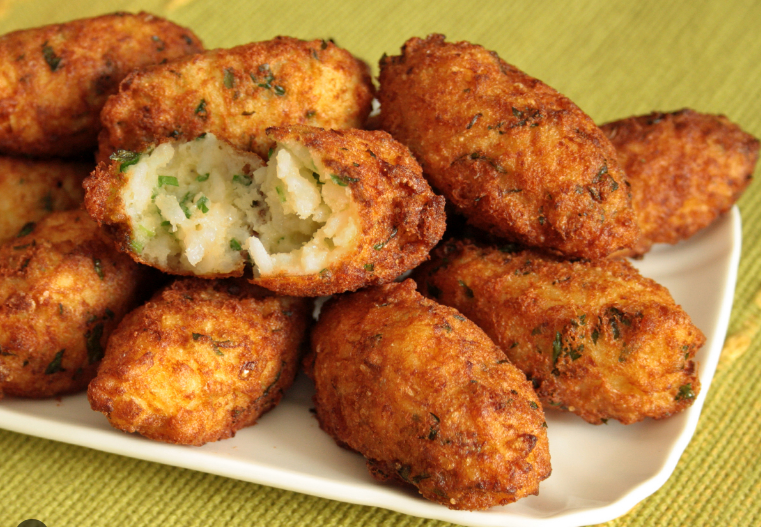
{"type": "Point", "coordinates": [614, 59]}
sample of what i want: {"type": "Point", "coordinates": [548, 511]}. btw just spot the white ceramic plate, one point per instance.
{"type": "Point", "coordinates": [599, 472]}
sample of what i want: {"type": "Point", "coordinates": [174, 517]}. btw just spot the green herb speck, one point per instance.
{"type": "Point", "coordinates": [98, 267]}
{"type": "Point", "coordinates": [169, 181]}
{"type": "Point", "coordinates": [55, 364]}
{"type": "Point", "coordinates": [229, 78]}
{"type": "Point", "coordinates": [92, 343]}
{"type": "Point", "coordinates": [53, 60]}
{"type": "Point", "coordinates": [126, 158]}
{"type": "Point", "coordinates": [26, 229]}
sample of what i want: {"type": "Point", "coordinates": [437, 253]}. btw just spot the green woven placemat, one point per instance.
{"type": "Point", "coordinates": [614, 59]}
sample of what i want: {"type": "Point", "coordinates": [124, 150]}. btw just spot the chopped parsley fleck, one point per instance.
{"type": "Point", "coordinates": [473, 121]}
{"type": "Point", "coordinates": [126, 158]}
{"type": "Point", "coordinates": [201, 204]}
{"type": "Point", "coordinates": [369, 267]}
{"type": "Point", "coordinates": [468, 290]}
{"type": "Point", "coordinates": [280, 194]}
{"type": "Point", "coordinates": [243, 179]}
{"type": "Point", "coordinates": [342, 181]}
{"type": "Point", "coordinates": [53, 60]}
{"type": "Point", "coordinates": [47, 202]}
{"type": "Point", "coordinates": [184, 205]}
{"type": "Point", "coordinates": [433, 291]}
{"type": "Point", "coordinates": [235, 245]}
{"type": "Point", "coordinates": [98, 267]}
{"type": "Point", "coordinates": [55, 364]}
{"type": "Point", "coordinates": [685, 393]}
{"type": "Point", "coordinates": [229, 78]}
{"type": "Point", "coordinates": [381, 245]}
{"type": "Point", "coordinates": [533, 405]}
{"type": "Point", "coordinates": [279, 90]}
{"type": "Point", "coordinates": [92, 343]}
{"type": "Point", "coordinates": [203, 177]}
{"type": "Point", "coordinates": [269, 153]}
{"type": "Point", "coordinates": [136, 246]}
{"type": "Point", "coordinates": [170, 181]}
{"type": "Point", "coordinates": [201, 108]}
{"type": "Point", "coordinates": [26, 229]}
{"type": "Point", "coordinates": [557, 346]}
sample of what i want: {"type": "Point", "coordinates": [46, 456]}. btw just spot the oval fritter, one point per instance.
{"type": "Point", "coordinates": [55, 79]}
{"type": "Point", "coordinates": [427, 398]}
{"type": "Point", "coordinates": [513, 155]}
{"type": "Point", "coordinates": [685, 169]}
{"type": "Point", "coordinates": [332, 211]}
{"type": "Point", "coordinates": [200, 361]}
{"type": "Point", "coordinates": [63, 289]}
{"type": "Point", "coordinates": [32, 189]}
{"type": "Point", "coordinates": [596, 338]}
{"type": "Point", "coordinates": [238, 93]}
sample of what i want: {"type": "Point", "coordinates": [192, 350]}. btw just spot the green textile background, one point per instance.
{"type": "Point", "coordinates": [614, 59]}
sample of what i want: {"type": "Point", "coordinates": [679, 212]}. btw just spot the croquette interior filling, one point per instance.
{"type": "Point", "coordinates": [205, 207]}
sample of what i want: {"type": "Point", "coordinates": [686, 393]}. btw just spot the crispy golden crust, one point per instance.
{"type": "Point", "coordinates": [200, 361]}
{"type": "Point", "coordinates": [516, 157]}
{"type": "Point", "coordinates": [55, 79]}
{"type": "Point", "coordinates": [685, 169]}
{"type": "Point", "coordinates": [427, 398]}
{"type": "Point", "coordinates": [63, 289]}
{"type": "Point", "coordinates": [32, 189]}
{"type": "Point", "coordinates": [238, 93]}
{"type": "Point", "coordinates": [596, 338]}
{"type": "Point", "coordinates": [401, 218]}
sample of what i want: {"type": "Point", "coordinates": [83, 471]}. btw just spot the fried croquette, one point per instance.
{"type": "Point", "coordinates": [200, 361]}
{"type": "Point", "coordinates": [595, 337]}
{"type": "Point", "coordinates": [685, 168]}
{"type": "Point", "coordinates": [427, 398]}
{"type": "Point", "coordinates": [237, 94]}
{"type": "Point", "coordinates": [332, 211]}
{"type": "Point", "coordinates": [63, 289]}
{"type": "Point", "coordinates": [516, 157]}
{"type": "Point", "coordinates": [32, 189]}
{"type": "Point", "coordinates": [55, 79]}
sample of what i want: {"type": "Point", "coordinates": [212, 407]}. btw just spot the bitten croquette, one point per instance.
{"type": "Point", "coordinates": [333, 210]}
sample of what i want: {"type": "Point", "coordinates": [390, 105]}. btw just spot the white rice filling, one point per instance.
{"type": "Point", "coordinates": [206, 208]}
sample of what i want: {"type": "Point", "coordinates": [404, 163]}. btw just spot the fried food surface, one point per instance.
{"type": "Point", "coordinates": [332, 211]}
{"type": "Point", "coordinates": [596, 338]}
{"type": "Point", "coordinates": [55, 79]}
{"type": "Point", "coordinates": [685, 168]}
{"type": "Point", "coordinates": [427, 398]}
{"type": "Point", "coordinates": [513, 155]}
{"type": "Point", "coordinates": [200, 361]}
{"type": "Point", "coordinates": [32, 189]}
{"type": "Point", "coordinates": [385, 219]}
{"type": "Point", "coordinates": [63, 289]}
{"type": "Point", "coordinates": [237, 94]}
